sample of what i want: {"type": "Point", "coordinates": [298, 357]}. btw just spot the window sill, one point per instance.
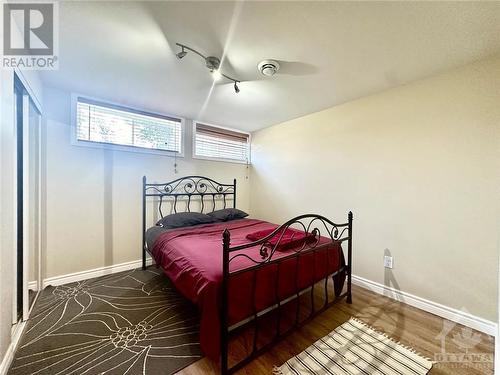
{"type": "Point", "coordinates": [221, 160]}
{"type": "Point", "coordinates": [113, 147]}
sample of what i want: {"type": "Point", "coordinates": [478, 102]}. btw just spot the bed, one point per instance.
{"type": "Point", "coordinates": [235, 280]}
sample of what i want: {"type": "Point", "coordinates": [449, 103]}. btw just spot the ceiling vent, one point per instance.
{"type": "Point", "coordinates": [268, 67]}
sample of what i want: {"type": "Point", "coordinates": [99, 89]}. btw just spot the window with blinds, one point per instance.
{"type": "Point", "coordinates": [213, 142]}
{"type": "Point", "coordinates": [110, 124]}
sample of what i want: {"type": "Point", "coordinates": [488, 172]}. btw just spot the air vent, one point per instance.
{"type": "Point", "coordinates": [268, 67]}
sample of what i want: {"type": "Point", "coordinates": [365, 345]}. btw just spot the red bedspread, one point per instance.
{"type": "Point", "coordinates": [192, 258]}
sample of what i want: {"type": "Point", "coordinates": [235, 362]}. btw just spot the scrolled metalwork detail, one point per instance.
{"type": "Point", "coordinates": [192, 188]}
{"type": "Point", "coordinates": [314, 227]}
{"type": "Point", "coordinates": [264, 250]}
{"type": "Point", "coordinates": [195, 185]}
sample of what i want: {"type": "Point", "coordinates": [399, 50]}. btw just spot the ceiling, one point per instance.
{"type": "Point", "coordinates": [330, 52]}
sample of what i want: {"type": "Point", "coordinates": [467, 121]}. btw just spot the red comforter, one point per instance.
{"type": "Point", "coordinates": [192, 258]}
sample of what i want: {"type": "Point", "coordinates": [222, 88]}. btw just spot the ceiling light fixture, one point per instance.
{"type": "Point", "coordinates": [181, 54]}
{"type": "Point", "coordinates": [211, 62]}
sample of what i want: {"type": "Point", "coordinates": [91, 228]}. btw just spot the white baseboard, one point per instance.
{"type": "Point", "coordinates": [9, 354]}
{"type": "Point", "coordinates": [33, 285]}
{"type": "Point", "coordinates": [96, 272]}
{"type": "Point", "coordinates": [446, 312]}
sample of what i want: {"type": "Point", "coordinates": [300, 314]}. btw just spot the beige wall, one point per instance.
{"type": "Point", "coordinates": [419, 167]}
{"type": "Point", "coordinates": [94, 196]}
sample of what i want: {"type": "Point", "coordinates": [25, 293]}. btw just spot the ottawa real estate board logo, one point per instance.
{"type": "Point", "coordinates": [30, 35]}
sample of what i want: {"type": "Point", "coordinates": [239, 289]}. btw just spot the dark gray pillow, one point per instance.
{"type": "Point", "coordinates": [228, 214]}
{"type": "Point", "coordinates": [184, 219]}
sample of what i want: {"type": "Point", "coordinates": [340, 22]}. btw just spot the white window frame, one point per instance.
{"type": "Point", "coordinates": [109, 146]}
{"type": "Point", "coordinates": [220, 159]}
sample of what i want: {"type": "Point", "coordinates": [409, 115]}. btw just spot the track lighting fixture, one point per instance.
{"type": "Point", "coordinates": [181, 54]}
{"type": "Point", "coordinates": [211, 62]}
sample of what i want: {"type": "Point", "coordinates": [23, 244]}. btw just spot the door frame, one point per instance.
{"type": "Point", "coordinates": [28, 98]}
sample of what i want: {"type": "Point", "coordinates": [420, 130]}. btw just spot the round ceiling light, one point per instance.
{"type": "Point", "coordinates": [268, 67]}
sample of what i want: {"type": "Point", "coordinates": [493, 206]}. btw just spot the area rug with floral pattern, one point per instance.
{"type": "Point", "coordinates": [133, 322]}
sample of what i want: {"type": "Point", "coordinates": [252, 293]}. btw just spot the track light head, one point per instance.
{"type": "Point", "coordinates": [181, 54]}
{"type": "Point", "coordinates": [236, 88]}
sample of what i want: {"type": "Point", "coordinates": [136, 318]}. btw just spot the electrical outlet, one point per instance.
{"type": "Point", "coordinates": [388, 262]}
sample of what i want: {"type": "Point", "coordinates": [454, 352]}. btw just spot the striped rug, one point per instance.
{"type": "Point", "coordinates": [355, 348]}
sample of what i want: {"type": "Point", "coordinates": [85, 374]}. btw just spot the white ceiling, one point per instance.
{"type": "Point", "coordinates": [331, 52]}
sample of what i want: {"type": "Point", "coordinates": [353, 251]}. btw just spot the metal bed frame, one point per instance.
{"type": "Point", "coordinates": [192, 189]}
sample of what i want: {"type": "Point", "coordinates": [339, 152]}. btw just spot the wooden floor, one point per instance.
{"type": "Point", "coordinates": [410, 326]}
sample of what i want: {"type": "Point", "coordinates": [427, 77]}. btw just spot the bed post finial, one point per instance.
{"type": "Point", "coordinates": [226, 237]}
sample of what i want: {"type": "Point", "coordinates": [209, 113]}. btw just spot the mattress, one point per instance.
{"type": "Point", "coordinates": [192, 258]}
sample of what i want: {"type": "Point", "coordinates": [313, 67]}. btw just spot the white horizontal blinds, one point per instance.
{"type": "Point", "coordinates": [102, 123]}
{"type": "Point", "coordinates": [215, 142]}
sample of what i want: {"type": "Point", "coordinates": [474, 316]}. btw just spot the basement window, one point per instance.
{"type": "Point", "coordinates": [101, 124]}
{"type": "Point", "coordinates": [217, 143]}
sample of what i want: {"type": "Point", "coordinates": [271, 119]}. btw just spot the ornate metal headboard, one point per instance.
{"type": "Point", "coordinates": [184, 192]}
{"type": "Point", "coordinates": [191, 189]}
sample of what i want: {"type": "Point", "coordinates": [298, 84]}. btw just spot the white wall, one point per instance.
{"type": "Point", "coordinates": [419, 167]}
{"type": "Point", "coordinates": [94, 196]}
